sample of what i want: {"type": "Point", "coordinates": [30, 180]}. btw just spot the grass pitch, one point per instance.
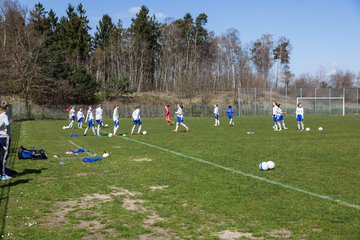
{"type": "Point", "coordinates": [202, 185]}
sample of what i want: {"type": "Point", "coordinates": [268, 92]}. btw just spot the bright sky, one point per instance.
{"type": "Point", "coordinates": [323, 33]}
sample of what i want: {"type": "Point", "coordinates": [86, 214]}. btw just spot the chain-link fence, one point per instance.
{"type": "Point", "coordinates": [249, 101]}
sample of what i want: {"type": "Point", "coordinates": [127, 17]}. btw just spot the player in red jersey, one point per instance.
{"type": "Point", "coordinates": [167, 115]}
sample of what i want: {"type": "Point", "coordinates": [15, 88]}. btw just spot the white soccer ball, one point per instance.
{"type": "Point", "coordinates": [105, 155]}
{"type": "Point", "coordinates": [64, 127]}
{"type": "Point", "coordinates": [144, 132]}
{"type": "Point", "coordinates": [263, 166]}
{"type": "Point", "coordinates": [320, 129]}
{"type": "Point", "coordinates": [106, 125]}
{"type": "Point", "coordinates": [308, 129]}
{"type": "Point", "coordinates": [271, 164]}
{"type": "Point", "coordinates": [110, 135]}
{"type": "Point", "coordinates": [124, 135]}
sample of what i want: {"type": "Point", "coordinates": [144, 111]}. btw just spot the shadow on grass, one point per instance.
{"type": "Point", "coordinates": [15, 183]}
{"type": "Point", "coordinates": [14, 173]}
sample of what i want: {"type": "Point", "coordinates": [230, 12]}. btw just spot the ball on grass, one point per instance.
{"type": "Point", "coordinates": [110, 135]}
{"type": "Point", "coordinates": [320, 129]}
{"type": "Point", "coordinates": [144, 132]}
{"type": "Point", "coordinates": [263, 166]}
{"type": "Point", "coordinates": [308, 129]}
{"type": "Point", "coordinates": [271, 165]}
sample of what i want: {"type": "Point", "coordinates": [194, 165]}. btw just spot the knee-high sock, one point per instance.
{"type": "Point", "coordinates": [132, 130]}
{"type": "Point", "coordinates": [139, 129]}
{"type": "Point", "coordinates": [182, 124]}
{"type": "Point", "coordinates": [98, 130]}
{"type": "Point", "coordinates": [177, 126]}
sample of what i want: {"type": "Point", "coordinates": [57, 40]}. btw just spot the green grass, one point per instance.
{"type": "Point", "coordinates": [201, 200]}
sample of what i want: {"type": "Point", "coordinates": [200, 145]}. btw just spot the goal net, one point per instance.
{"type": "Point", "coordinates": [323, 105]}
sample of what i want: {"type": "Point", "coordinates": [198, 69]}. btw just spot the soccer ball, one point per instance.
{"type": "Point", "coordinates": [64, 127]}
{"type": "Point", "coordinates": [271, 165]}
{"type": "Point", "coordinates": [106, 125]}
{"type": "Point", "coordinates": [110, 135]}
{"type": "Point", "coordinates": [105, 155]}
{"type": "Point", "coordinates": [263, 166]}
{"type": "Point", "coordinates": [308, 129]}
{"type": "Point", "coordinates": [124, 135]}
{"type": "Point", "coordinates": [144, 132]}
{"type": "Point", "coordinates": [320, 129]}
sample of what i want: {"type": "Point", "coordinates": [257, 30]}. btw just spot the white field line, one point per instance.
{"type": "Point", "coordinates": [324, 197]}
{"type": "Point", "coordinates": [88, 153]}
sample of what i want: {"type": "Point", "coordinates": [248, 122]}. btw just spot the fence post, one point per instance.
{"type": "Point", "coordinates": [286, 97]}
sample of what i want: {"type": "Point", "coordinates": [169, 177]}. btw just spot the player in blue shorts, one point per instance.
{"type": "Point", "coordinates": [71, 118]}
{"type": "Point", "coordinates": [80, 117]}
{"type": "Point", "coordinates": [136, 120]}
{"type": "Point", "coordinates": [116, 117]}
{"type": "Point", "coordinates": [90, 120]}
{"type": "Point", "coordinates": [274, 112]}
{"type": "Point", "coordinates": [230, 113]}
{"type": "Point", "coordinates": [300, 117]}
{"type": "Point", "coordinates": [99, 118]}
{"type": "Point", "coordinates": [280, 118]}
{"type": "Point", "coordinates": [180, 118]}
{"type": "Point", "coordinates": [216, 115]}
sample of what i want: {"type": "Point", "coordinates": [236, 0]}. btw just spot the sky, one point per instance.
{"type": "Point", "coordinates": [324, 34]}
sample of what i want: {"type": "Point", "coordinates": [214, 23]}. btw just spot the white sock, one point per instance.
{"type": "Point", "coordinates": [93, 129]}
{"type": "Point", "coordinates": [98, 130]}
{"type": "Point", "coordinates": [184, 125]}
{"type": "Point", "coordinates": [279, 125]}
{"type": "Point", "coordinates": [71, 124]}
{"type": "Point", "coordinates": [283, 125]}
{"type": "Point", "coordinates": [132, 130]}
{"type": "Point", "coordinates": [302, 126]}
{"type": "Point", "coordinates": [177, 126]}
{"type": "Point", "coordinates": [299, 126]}
{"type": "Point", "coordinates": [139, 129]}
{"type": "Point", "coordinates": [86, 130]}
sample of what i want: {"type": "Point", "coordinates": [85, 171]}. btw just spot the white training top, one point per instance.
{"type": "Point", "coordinates": [275, 110]}
{"type": "Point", "coordinates": [89, 115]}
{"type": "Point", "coordinates": [299, 111]}
{"type": "Point", "coordinates": [136, 114]}
{"type": "Point", "coordinates": [116, 114]}
{"type": "Point", "coordinates": [80, 114]}
{"type": "Point", "coordinates": [98, 113]}
{"type": "Point", "coordinates": [216, 110]}
{"type": "Point", "coordinates": [4, 122]}
{"type": "Point", "coordinates": [278, 111]}
{"type": "Point", "coordinates": [179, 112]}
{"type": "Point", "coordinates": [72, 112]}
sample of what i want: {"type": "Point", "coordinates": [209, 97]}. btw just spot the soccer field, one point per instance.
{"type": "Point", "coordinates": [204, 184]}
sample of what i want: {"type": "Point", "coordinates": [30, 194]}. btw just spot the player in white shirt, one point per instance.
{"type": "Point", "coordinates": [277, 126]}
{"type": "Point", "coordinates": [116, 117]}
{"type": "Point", "coordinates": [80, 117]}
{"type": "Point", "coordinates": [300, 117]}
{"type": "Point", "coordinates": [71, 118]}
{"type": "Point", "coordinates": [99, 118]}
{"type": "Point", "coordinates": [90, 120]}
{"type": "Point", "coordinates": [180, 118]}
{"type": "Point", "coordinates": [4, 138]}
{"type": "Point", "coordinates": [216, 115]}
{"type": "Point", "coordinates": [279, 117]}
{"type": "Point", "coordinates": [136, 120]}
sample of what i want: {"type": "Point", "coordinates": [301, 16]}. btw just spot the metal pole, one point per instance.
{"type": "Point", "coordinates": [343, 101]}
{"type": "Point", "coordinates": [329, 101]}
{"type": "Point", "coordinates": [300, 92]}
{"type": "Point", "coordinates": [270, 100]}
{"type": "Point", "coordinates": [255, 99]}
{"type": "Point", "coordinates": [315, 102]}
{"type": "Point", "coordinates": [239, 102]}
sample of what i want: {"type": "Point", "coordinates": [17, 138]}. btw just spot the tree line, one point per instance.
{"type": "Point", "coordinates": [49, 59]}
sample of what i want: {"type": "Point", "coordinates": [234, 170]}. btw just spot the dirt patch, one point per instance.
{"type": "Point", "coordinates": [152, 219]}
{"type": "Point", "coordinates": [149, 237]}
{"type": "Point", "coordinates": [93, 226]}
{"type": "Point", "coordinates": [282, 233]}
{"type": "Point", "coordinates": [82, 174]}
{"type": "Point", "coordinates": [232, 235]}
{"type": "Point", "coordinates": [97, 236]}
{"type": "Point", "coordinates": [133, 205]}
{"type": "Point", "coordinates": [155, 188]}
{"type": "Point", "coordinates": [145, 159]}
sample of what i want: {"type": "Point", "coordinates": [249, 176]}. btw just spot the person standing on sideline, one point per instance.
{"type": "Point", "coordinates": [216, 115]}
{"type": "Point", "coordinates": [168, 115]}
{"type": "Point", "coordinates": [80, 117]}
{"type": "Point", "coordinates": [4, 138]}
